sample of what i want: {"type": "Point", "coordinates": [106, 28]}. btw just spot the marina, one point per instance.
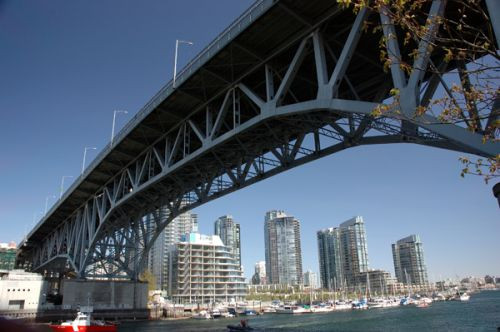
{"type": "Point", "coordinates": [480, 313]}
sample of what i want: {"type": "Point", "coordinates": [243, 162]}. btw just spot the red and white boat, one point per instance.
{"type": "Point", "coordinates": [84, 323]}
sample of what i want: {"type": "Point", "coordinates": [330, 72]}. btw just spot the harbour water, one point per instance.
{"type": "Point", "coordinates": [481, 313]}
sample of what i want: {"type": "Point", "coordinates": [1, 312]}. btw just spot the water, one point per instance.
{"type": "Point", "coordinates": [481, 313]}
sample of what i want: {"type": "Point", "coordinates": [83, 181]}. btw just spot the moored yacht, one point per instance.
{"type": "Point", "coordinates": [341, 305]}
{"type": "Point", "coordinates": [291, 309]}
{"type": "Point", "coordinates": [202, 315]}
{"type": "Point", "coordinates": [377, 303]}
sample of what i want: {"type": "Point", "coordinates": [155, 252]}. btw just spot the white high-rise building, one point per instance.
{"type": "Point", "coordinates": [172, 234]}
{"type": "Point", "coordinates": [259, 278]}
{"type": "Point", "coordinates": [204, 270]}
{"type": "Point", "coordinates": [311, 279]}
{"type": "Point", "coordinates": [260, 268]}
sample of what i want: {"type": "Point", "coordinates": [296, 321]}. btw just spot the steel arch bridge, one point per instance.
{"type": "Point", "coordinates": [287, 83]}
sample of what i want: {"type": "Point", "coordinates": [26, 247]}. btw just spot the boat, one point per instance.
{"type": "Point", "coordinates": [216, 313]}
{"type": "Point", "coordinates": [291, 309]}
{"type": "Point", "coordinates": [202, 315]}
{"type": "Point", "coordinates": [427, 300]}
{"type": "Point", "coordinates": [242, 326]}
{"type": "Point", "coordinates": [249, 312]}
{"type": "Point", "coordinates": [226, 314]}
{"type": "Point", "coordinates": [360, 305]}
{"type": "Point", "coordinates": [377, 303]}
{"type": "Point", "coordinates": [462, 297]}
{"type": "Point", "coordinates": [392, 302]}
{"type": "Point", "coordinates": [422, 304]}
{"type": "Point", "coordinates": [321, 308]}
{"type": "Point", "coordinates": [269, 310]}
{"type": "Point", "coordinates": [406, 300]}
{"type": "Point", "coordinates": [84, 323]}
{"type": "Point", "coordinates": [341, 305]}
{"type": "Point", "coordinates": [234, 328]}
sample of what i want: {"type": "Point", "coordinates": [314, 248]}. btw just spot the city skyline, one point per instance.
{"type": "Point", "coordinates": [400, 189]}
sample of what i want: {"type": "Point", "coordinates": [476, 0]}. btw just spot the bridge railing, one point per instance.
{"type": "Point", "coordinates": [225, 37]}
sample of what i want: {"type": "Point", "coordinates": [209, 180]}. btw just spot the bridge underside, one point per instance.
{"type": "Point", "coordinates": [299, 83]}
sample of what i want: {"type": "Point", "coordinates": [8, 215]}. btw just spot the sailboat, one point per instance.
{"type": "Point", "coordinates": [362, 303]}
{"type": "Point", "coordinates": [407, 300]}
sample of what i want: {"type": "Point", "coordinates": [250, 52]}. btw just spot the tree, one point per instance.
{"type": "Point", "coordinates": [457, 57]}
{"type": "Point", "coordinates": [149, 278]}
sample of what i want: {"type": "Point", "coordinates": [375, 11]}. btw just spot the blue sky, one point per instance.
{"type": "Point", "coordinates": [66, 65]}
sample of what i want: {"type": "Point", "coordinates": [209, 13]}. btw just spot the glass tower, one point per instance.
{"type": "Point", "coordinates": [229, 232]}
{"type": "Point", "coordinates": [283, 251]}
{"type": "Point", "coordinates": [354, 249]}
{"type": "Point", "coordinates": [409, 265]}
{"type": "Point", "coordinates": [343, 254]}
{"type": "Point", "coordinates": [330, 260]}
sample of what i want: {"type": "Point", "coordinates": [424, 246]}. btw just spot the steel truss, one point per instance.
{"type": "Point", "coordinates": [247, 134]}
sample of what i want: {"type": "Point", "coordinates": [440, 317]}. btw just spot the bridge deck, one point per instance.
{"type": "Point", "coordinates": [268, 32]}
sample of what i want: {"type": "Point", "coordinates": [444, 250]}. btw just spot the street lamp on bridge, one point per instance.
{"type": "Point", "coordinates": [36, 214]}
{"type": "Point", "coordinates": [177, 42]}
{"type": "Point", "coordinates": [113, 127]}
{"type": "Point", "coordinates": [47, 202]}
{"type": "Point", "coordinates": [62, 184]}
{"type": "Point", "coordinates": [85, 155]}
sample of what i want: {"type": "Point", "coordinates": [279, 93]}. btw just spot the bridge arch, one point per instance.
{"type": "Point", "coordinates": [244, 112]}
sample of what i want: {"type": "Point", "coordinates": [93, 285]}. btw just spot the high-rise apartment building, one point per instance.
{"type": "Point", "coordinates": [409, 265]}
{"type": "Point", "coordinates": [203, 270]}
{"type": "Point", "coordinates": [158, 257]}
{"type": "Point", "coordinates": [259, 277]}
{"type": "Point", "coordinates": [343, 253]}
{"type": "Point", "coordinates": [330, 258]}
{"type": "Point", "coordinates": [229, 232]}
{"type": "Point", "coordinates": [311, 279]}
{"type": "Point", "coordinates": [283, 250]}
{"type": "Point", "coordinates": [354, 248]}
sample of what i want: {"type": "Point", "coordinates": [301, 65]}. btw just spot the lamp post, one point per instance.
{"type": "Point", "coordinates": [35, 214]}
{"type": "Point", "coordinates": [47, 202]}
{"type": "Point", "coordinates": [62, 184]}
{"type": "Point", "coordinates": [177, 42]}
{"type": "Point", "coordinates": [113, 127]}
{"type": "Point", "coordinates": [85, 155]}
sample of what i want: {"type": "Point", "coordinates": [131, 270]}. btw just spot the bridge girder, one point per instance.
{"type": "Point", "coordinates": [299, 103]}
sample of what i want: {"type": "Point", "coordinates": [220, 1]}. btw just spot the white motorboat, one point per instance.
{"type": "Point", "coordinates": [393, 302]}
{"type": "Point", "coordinates": [216, 313]}
{"type": "Point", "coordinates": [377, 303]}
{"type": "Point", "coordinates": [291, 309]}
{"type": "Point", "coordinates": [202, 315]}
{"type": "Point", "coordinates": [341, 305]}
{"type": "Point", "coordinates": [321, 308]}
